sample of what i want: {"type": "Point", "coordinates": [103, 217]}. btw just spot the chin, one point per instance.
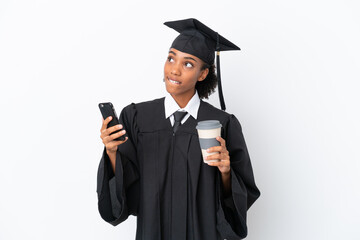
{"type": "Point", "coordinates": [171, 92]}
{"type": "Point", "coordinates": [170, 89]}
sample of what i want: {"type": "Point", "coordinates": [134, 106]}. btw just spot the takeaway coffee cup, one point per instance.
{"type": "Point", "coordinates": [208, 131]}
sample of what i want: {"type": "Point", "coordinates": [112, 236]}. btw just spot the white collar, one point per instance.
{"type": "Point", "coordinates": [171, 105]}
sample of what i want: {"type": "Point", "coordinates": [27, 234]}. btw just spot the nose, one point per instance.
{"type": "Point", "coordinates": [175, 70]}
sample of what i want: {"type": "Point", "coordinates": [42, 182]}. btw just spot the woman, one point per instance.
{"type": "Point", "coordinates": [158, 173]}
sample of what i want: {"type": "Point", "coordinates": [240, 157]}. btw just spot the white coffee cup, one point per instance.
{"type": "Point", "coordinates": [208, 131]}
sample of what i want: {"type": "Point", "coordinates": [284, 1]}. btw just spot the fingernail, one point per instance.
{"type": "Point", "coordinates": [110, 117]}
{"type": "Point", "coordinates": [208, 150]}
{"type": "Point", "coordinates": [123, 131]}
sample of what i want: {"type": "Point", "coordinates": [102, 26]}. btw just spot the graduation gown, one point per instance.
{"type": "Point", "coordinates": [161, 178]}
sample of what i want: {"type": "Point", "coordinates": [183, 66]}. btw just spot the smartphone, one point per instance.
{"type": "Point", "coordinates": [107, 110]}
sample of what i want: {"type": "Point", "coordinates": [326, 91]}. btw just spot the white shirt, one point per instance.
{"type": "Point", "coordinates": [191, 108]}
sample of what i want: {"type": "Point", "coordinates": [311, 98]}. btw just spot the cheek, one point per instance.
{"type": "Point", "coordinates": [165, 67]}
{"type": "Point", "coordinates": [194, 75]}
{"type": "Point", "coordinates": [191, 79]}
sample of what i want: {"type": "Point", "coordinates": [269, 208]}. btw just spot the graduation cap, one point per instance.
{"type": "Point", "coordinates": [199, 40]}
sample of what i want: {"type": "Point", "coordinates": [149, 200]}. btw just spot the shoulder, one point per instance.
{"type": "Point", "coordinates": [209, 112]}
{"type": "Point", "coordinates": [145, 115]}
{"type": "Point", "coordinates": [211, 109]}
{"type": "Point", "coordinates": [151, 103]}
{"type": "Point", "coordinates": [144, 107]}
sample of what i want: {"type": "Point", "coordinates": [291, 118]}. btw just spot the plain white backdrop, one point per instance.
{"type": "Point", "coordinates": [294, 87]}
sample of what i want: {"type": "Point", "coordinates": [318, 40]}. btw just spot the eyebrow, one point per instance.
{"type": "Point", "coordinates": [184, 57]}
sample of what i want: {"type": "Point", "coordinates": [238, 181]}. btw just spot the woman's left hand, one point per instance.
{"type": "Point", "coordinates": [223, 154]}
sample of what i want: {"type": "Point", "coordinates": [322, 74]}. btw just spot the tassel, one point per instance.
{"type": "Point", "coordinates": [221, 96]}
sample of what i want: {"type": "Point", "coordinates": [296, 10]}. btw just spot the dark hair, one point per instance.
{"type": "Point", "coordinates": [206, 87]}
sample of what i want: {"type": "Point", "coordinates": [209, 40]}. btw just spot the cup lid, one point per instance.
{"type": "Point", "coordinates": [208, 124]}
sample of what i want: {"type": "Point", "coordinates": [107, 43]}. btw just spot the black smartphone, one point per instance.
{"type": "Point", "coordinates": [107, 110]}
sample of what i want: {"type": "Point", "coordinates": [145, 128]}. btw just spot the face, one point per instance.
{"type": "Point", "coordinates": [181, 72]}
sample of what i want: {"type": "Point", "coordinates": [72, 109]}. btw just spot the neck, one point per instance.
{"type": "Point", "coordinates": [183, 100]}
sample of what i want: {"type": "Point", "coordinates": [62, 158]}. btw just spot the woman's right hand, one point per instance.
{"type": "Point", "coordinates": [110, 144]}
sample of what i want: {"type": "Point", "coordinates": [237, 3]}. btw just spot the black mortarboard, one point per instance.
{"type": "Point", "coordinates": [199, 40]}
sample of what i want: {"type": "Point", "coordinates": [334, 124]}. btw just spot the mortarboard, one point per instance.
{"type": "Point", "coordinates": [199, 40]}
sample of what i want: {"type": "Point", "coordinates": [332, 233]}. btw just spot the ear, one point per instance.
{"type": "Point", "coordinates": [203, 74]}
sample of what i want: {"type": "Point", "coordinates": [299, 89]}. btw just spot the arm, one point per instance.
{"type": "Point", "coordinates": [112, 157]}
{"type": "Point", "coordinates": [237, 182]}
{"type": "Point", "coordinates": [118, 184]}
{"type": "Point", "coordinates": [226, 181]}
{"type": "Point", "coordinates": [223, 165]}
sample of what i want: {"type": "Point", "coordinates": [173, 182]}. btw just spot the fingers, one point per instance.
{"type": "Point", "coordinates": [109, 134]}
{"type": "Point", "coordinates": [112, 129]}
{"type": "Point", "coordinates": [222, 141]}
{"type": "Point", "coordinates": [105, 123]}
{"type": "Point", "coordinates": [222, 163]}
{"type": "Point", "coordinates": [118, 134]}
{"type": "Point", "coordinates": [221, 149]}
{"type": "Point", "coordinates": [109, 138]}
{"type": "Point", "coordinates": [108, 131]}
{"type": "Point", "coordinates": [215, 149]}
{"type": "Point", "coordinates": [216, 156]}
{"type": "Point", "coordinates": [222, 154]}
{"type": "Point", "coordinates": [113, 144]}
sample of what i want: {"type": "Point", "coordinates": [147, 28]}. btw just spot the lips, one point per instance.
{"type": "Point", "coordinates": [172, 81]}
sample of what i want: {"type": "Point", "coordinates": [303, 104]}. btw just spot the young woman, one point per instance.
{"type": "Point", "coordinates": [158, 173]}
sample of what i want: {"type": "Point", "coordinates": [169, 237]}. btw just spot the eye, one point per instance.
{"type": "Point", "coordinates": [170, 59]}
{"type": "Point", "coordinates": [189, 65]}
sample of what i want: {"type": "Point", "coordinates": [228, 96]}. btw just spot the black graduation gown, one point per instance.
{"type": "Point", "coordinates": [160, 177]}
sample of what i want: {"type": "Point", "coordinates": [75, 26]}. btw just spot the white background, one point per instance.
{"type": "Point", "coordinates": [294, 87]}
